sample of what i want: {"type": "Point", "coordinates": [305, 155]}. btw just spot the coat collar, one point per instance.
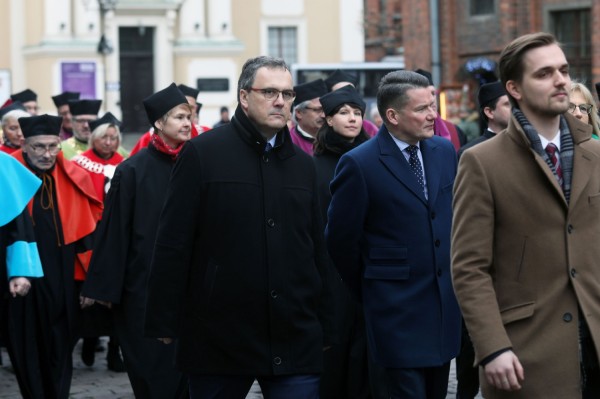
{"type": "Point", "coordinates": [582, 157]}
{"type": "Point", "coordinates": [395, 162]}
{"type": "Point", "coordinates": [249, 133]}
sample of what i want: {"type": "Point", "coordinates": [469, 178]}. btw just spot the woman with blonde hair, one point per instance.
{"type": "Point", "coordinates": [583, 107]}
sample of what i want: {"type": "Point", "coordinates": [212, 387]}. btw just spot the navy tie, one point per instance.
{"type": "Point", "coordinates": [415, 164]}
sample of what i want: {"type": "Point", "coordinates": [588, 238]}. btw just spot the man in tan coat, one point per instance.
{"type": "Point", "coordinates": [526, 234]}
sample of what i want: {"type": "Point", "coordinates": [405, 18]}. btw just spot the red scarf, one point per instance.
{"type": "Point", "coordinates": [161, 146]}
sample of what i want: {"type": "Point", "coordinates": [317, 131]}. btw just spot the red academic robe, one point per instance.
{"type": "Point", "coordinates": [79, 207]}
{"type": "Point", "coordinates": [101, 170]}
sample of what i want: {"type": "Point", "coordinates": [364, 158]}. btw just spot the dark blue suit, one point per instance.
{"type": "Point", "coordinates": [391, 245]}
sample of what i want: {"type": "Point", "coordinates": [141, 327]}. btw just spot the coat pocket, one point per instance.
{"type": "Point", "coordinates": [517, 312]}
{"type": "Point", "coordinates": [594, 200]}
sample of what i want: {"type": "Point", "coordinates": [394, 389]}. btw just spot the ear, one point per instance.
{"type": "Point", "coordinates": [392, 116]}
{"type": "Point", "coordinates": [514, 89]}
{"type": "Point", "coordinates": [159, 124]}
{"type": "Point", "coordinates": [329, 120]}
{"type": "Point", "coordinates": [489, 113]}
{"type": "Point", "coordinates": [244, 99]}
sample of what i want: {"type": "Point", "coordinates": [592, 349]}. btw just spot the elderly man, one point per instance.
{"type": "Point", "coordinates": [61, 101]}
{"type": "Point", "coordinates": [525, 214]}
{"type": "Point", "coordinates": [65, 211]}
{"type": "Point", "coordinates": [388, 233]}
{"type": "Point", "coordinates": [240, 250]}
{"type": "Point", "coordinates": [308, 114]}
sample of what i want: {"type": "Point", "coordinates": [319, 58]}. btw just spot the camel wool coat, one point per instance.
{"type": "Point", "coordinates": [523, 260]}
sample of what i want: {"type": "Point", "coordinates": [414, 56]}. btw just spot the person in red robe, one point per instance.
{"type": "Point", "coordinates": [13, 137]}
{"type": "Point", "coordinates": [102, 158]}
{"type": "Point", "coordinates": [65, 211]}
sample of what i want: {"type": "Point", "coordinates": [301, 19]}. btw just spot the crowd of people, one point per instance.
{"type": "Point", "coordinates": [301, 245]}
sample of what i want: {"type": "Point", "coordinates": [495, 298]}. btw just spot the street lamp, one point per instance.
{"type": "Point", "coordinates": [104, 46]}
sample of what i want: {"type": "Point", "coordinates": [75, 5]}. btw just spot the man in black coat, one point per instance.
{"type": "Point", "coordinates": [494, 109]}
{"type": "Point", "coordinates": [239, 254]}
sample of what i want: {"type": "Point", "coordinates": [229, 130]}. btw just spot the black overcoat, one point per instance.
{"type": "Point", "coordinates": [236, 273]}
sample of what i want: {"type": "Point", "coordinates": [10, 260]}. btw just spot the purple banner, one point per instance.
{"type": "Point", "coordinates": [80, 77]}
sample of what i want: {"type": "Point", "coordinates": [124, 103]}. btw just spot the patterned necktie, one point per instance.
{"type": "Point", "coordinates": [415, 163]}
{"type": "Point", "coordinates": [552, 152]}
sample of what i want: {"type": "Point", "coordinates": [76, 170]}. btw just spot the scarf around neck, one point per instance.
{"type": "Point", "coordinates": [566, 148]}
{"type": "Point", "coordinates": [157, 142]}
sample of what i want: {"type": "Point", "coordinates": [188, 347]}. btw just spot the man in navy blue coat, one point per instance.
{"type": "Point", "coordinates": [388, 234]}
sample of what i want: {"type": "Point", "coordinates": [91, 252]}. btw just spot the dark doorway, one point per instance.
{"type": "Point", "coordinates": [137, 76]}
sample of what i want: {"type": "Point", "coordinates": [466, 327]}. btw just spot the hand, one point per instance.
{"type": "Point", "coordinates": [166, 341]}
{"type": "Point", "coordinates": [19, 286]}
{"type": "Point", "coordinates": [505, 372]}
{"type": "Point", "coordinates": [85, 302]}
{"type": "Point", "coordinates": [105, 303]}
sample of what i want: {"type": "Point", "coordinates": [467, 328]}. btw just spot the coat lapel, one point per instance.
{"type": "Point", "coordinates": [393, 159]}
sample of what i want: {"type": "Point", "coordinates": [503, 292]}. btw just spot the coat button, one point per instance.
{"type": "Point", "coordinates": [432, 215]}
{"type": "Point", "coordinates": [570, 228]}
{"type": "Point", "coordinates": [270, 222]}
{"type": "Point", "coordinates": [274, 294]}
{"type": "Point", "coordinates": [439, 272]}
{"type": "Point", "coordinates": [573, 273]}
{"type": "Point", "coordinates": [437, 243]}
{"type": "Point", "coordinates": [277, 361]}
{"type": "Point", "coordinates": [567, 317]}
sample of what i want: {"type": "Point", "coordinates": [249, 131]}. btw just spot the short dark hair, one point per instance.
{"type": "Point", "coordinates": [510, 64]}
{"type": "Point", "coordinates": [393, 87]}
{"type": "Point", "coordinates": [491, 105]}
{"type": "Point", "coordinates": [252, 65]}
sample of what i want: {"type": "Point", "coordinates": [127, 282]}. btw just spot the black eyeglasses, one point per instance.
{"type": "Point", "coordinates": [271, 94]}
{"type": "Point", "coordinates": [583, 108]}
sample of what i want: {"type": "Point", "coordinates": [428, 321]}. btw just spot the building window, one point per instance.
{"type": "Point", "coordinates": [572, 30]}
{"type": "Point", "coordinates": [482, 7]}
{"type": "Point", "coordinates": [283, 43]}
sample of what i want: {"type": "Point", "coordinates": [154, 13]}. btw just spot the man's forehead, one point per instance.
{"type": "Point", "coordinates": [550, 56]}
{"type": "Point", "coordinates": [274, 77]}
{"type": "Point", "coordinates": [420, 95]}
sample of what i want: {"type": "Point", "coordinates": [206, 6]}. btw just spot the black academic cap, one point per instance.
{"type": "Point", "coordinates": [12, 107]}
{"type": "Point", "coordinates": [427, 74]}
{"type": "Point", "coordinates": [344, 95]}
{"type": "Point", "coordinates": [489, 92]}
{"type": "Point", "coordinates": [24, 96]}
{"type": "Point", "coordinates": [47, 125]}
{"type": "Point", "coordinates": [339, 76]}
{"type": "Point", "coordinates": [107, 118]}
{"type": "Point", "coordinates": [64, 98]}
{"type": "Point", "coordinates": [188, 91]}
{"type": "Point", "coordinates": [310, 90]}
{"type": "Point", "coordinates": [84, 107]}
{"type": "Point", "coordinates": [161, 102]}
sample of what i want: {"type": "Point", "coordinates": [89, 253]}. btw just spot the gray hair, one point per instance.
{"type": "Point", "coordinates": [393, 87]}
{"type": "Point", "coordinates": [14, 114]}
{"type": "Point", "coordinates": [301, 107]}
{"type": "Point", "coordinates": [100, 131]}
{"type": "Point", "coordinates": [252, 65]}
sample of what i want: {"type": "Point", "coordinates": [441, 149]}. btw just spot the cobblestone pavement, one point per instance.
{"type": "Point", "coordinates": [97, 382]}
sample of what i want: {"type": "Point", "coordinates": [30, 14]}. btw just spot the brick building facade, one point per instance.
{"type": "Point", "coordinates": [471, 34]}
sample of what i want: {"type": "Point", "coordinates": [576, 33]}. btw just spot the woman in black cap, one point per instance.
{"type": "Point", "coordinates": [124, 244]}
{"type": "Point", "coordinates": [345, 363]}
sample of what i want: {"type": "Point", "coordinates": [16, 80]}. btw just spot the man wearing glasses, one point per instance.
{"type": "Point", "coordinates": [308, 114]}
{"type": "Point", "coordinates": [83, 112]}
{"type": "Point", "coordinates": [65, 211]}
{"type": "Point", "coordinates": [239, 256]}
